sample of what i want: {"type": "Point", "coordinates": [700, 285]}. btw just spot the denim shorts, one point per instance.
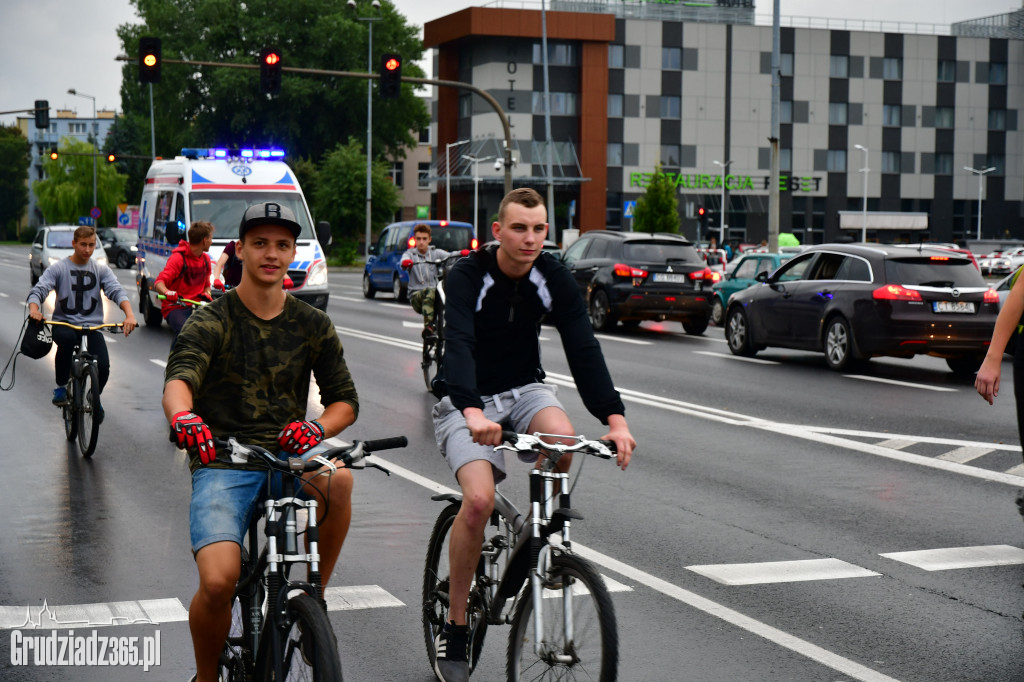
{"type": "Point", "coordinates": [513, 409]}
{"type": "Point", "coordinates": [223, 502]}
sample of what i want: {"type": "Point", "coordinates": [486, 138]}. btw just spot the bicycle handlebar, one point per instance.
{"type": "Point", "coordinates": [525, 442]}
{"type": "Point", "coordinates": [87, 327]}
{"type": "Point", "coordinates": [352, 456]}
{"type": "Point", "coordinates": [191, 302]}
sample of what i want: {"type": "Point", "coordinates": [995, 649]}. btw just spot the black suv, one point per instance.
{"type": "Point", "coordinates": [633, 276]}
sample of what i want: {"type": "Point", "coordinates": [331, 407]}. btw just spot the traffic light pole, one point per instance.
{"type": "Point", "coordinates": [506, 128]}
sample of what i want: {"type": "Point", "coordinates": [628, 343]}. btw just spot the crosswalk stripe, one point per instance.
{"type": "Point", "coordinates": [780, 571]}
{"type": "Point", "coordinates": [896, 443]}
{"type": "Point", "coordinates": [352, 597]}
{"type": "Point", "coordinates": [965, 454]}
{"type": "Point", "coordinates": [950, 558]}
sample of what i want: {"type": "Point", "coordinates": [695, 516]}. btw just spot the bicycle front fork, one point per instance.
{"type": "Point", "coordinates": [542, 489]}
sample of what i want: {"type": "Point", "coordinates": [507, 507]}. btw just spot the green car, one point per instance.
{"type": "Point", "coordinates": [739, 275]}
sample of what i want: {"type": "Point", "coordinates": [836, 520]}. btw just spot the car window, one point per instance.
{"type": "Point", "coordinates": [60, 239]}
{"type": "Point", "coordinates": [827, 266]}
{"type": "Point", "coordinates": [575, 251]}
{"type": "Point", "coordinates": [746, 269]}
{"type": "Point", "coordinates": [854, 269]}
{"type": "Point", "coordinates": [599, 248]}
{"type": "Point", "coordinates": [933, 271]}
{"type": "Point", "coordinates": [794, 269]}
{"type": "Point", "coordinates": [660, 252]}
{"type": "Point", "coordinates": [394, 235]}
{"type": "Point", "coordinates": [38, 241]}
{"type": "Point", "coordinates": [451, 238]}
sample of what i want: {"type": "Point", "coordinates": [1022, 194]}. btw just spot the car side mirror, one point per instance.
{"type": "Point", "coordinates": [323, 233]}
{"type": "Point", "coordinates": [171, 232]}
{"type": "Point", "coordinates": [762, 276]}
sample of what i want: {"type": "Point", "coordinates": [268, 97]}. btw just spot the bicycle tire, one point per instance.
{"type": "Point", "coordinates": [309, 647]}
{"type": "Point", "coordinates": [236, 661]}
{"type": "Point", "coordinates": [68, 411]}
{"type": "Point", "coordinates": [593, 626]}
{"type": "Point", "coordinates": [88, 404]}
{"type": "Point", "coordinates": [432, 349]}
{"type": "Point", "coordinates": [435, 591]}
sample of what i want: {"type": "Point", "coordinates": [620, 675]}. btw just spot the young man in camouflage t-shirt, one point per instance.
{"type": "Point", "coordinates": [242, 367]}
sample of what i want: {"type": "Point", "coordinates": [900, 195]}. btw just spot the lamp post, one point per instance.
{"type": "Point", "coordinates": [979, 173]}
{"type": "Point", "coordinates": [864, 211]}
{"type": "Point", "coordinates": [448, 177]}
{"type": "Point", "coordinates": [721, 227]}
{"type": "Point", "coordinates": [369, 117]}
{"type": "Point", "coordinates": [95, 136]}
{"type": "Point", "coordinates": [476, 191]}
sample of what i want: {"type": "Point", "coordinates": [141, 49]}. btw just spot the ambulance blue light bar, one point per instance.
{"type": "Point", "coordinates": [224, 153]}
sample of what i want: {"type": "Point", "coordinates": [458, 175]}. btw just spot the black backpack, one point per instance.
{"type": "Point", "coordinates": [36, 340]}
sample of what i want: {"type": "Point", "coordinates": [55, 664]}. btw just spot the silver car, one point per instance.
{"type": "Point", "coordinates": [53, 243]}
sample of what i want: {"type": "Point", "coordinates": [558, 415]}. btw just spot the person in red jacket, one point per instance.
{"type": "Point", "coordinates": [186, 275]}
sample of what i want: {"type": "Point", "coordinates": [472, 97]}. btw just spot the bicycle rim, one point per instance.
{"type": "Point", "coordinates": [435, 591]}
{"type": "Point", "coordinates": [69, 413]}
{"type": "Point", "coordinates": [89, 401]}
{"type": "Point", "coordinates": [592, 649]}
{"type": "Point", "coordinates": [309, 648]}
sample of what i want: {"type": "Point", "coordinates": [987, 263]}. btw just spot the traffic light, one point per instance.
{"type": "Point", "coordinates": [270, 70]}
{"type": "Point", "coordinates": [53, 154]}
{"type": "Point", "coordinates": [390, 76]}
{"type": "Point", "coordinates": [149, 59]}
{"type": "Point", "coordinates": [42, 114]}
{"type": "Point", "coordinates": [702, 216]}
{"type": "Point", "coordinates": [111, 158]}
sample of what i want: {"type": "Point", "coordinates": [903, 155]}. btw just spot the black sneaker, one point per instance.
{"type": "Point", "coordinates": [451, 663]}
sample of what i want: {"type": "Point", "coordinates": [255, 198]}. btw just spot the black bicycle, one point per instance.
{"type": "Point", "coordinates": [80, 408]}
{"type": "Point", "coordinates": [279, 624]}
{"type": "Point", "coordinates": [563, 620]}
{"type": "Point", "coordinates": [433, 330]}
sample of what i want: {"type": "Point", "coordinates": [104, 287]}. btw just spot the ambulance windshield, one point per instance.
{"type": "Point", "coordinates": [225, 209]}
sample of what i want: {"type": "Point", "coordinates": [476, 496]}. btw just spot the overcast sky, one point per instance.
{"type": "Point", "coordinates": [49, 46]}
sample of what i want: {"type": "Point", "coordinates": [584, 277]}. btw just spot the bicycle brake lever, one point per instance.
{"type": "Point", "coordinates": [239, 453]}
{"type": "Point", "coordinates": [377, 466]}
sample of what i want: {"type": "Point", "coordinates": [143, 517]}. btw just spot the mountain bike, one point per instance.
{"type": "Point", "coordinates": [433, 330]}
{"type": "Point", "coordinates": [80, 410]}
{"type": "Point", "coordinates": [562, 617]}
{"type": "Point", "coordinates": [279, 624]}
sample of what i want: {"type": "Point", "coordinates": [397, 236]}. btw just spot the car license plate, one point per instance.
{"type": "Point", "coordinates": [670, 277]}
{"type": "Point", "coordinates": [953, 306]}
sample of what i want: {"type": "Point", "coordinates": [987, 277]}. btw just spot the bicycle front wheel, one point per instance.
{"type": "Point", "coordinates": [590, 651]}
{"type": "Point", "coordinates": [88, 395]}
{"type": "Point", "coordinates": [236, 661]}
{"type": "Point", "coordinates": [309, 648]}
{"type": "Point", "coordinates": [432, 349]}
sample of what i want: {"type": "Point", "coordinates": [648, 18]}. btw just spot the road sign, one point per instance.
{"type": "Point", "coordinates": [86, 220]}
{"type": "Point", "coordinates": [95, 212]}
{"type": "Point", "coordinates": [627, 208]}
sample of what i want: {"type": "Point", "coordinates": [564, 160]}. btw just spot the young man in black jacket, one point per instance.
{"type": "Point", "coordinates": [496, 300]}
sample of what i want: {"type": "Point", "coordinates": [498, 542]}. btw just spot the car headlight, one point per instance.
{"type": "Point", "coordinates": [102, 260]}
{"type": "Point", "coordinates": [317, 275]}
{"type": "Point", "coordinates": [134, 248]}
{"type": "Point", "coordinates": [50, 260]}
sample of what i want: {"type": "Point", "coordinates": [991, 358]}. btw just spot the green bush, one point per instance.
{"type": "Point", "coordinates": [343, 252]}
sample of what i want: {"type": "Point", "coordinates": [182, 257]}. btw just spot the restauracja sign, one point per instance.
{"type": "Point", "coordinates": [733, 183]}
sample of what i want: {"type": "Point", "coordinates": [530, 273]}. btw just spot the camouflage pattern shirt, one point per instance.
{"type": "Point", "coordinates": [250, 377]}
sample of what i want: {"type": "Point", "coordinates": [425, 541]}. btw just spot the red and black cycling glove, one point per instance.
{"type": "Point", "coordinates": [192, 432]}
{"type": "Point", "coordinates": [299, 436]}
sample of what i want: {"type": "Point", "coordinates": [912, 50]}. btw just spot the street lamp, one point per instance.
{"type": "Point", "coordinates": [721, 227]}
{"type": "Point", "coordinates": [95, 138]}
{"type": "Point", "coordinates": [448, 177]}
{"type": "Point", "coordinates": [476, 190]}
{"type": "Point", "coordinates": [979, 173]}
{"type": "Point", "coordinates": [369, 117]}
{"type": "Point", "coordinates": [864, 211]}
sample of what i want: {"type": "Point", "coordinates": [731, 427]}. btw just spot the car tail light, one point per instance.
{"type": "Point", "coordinates": [473, 243]}
{"type": "Point", "coordinates": [991, 296]}
{"type": "Point", "coordinates": [715, 276]}
{"type": "Point", "coordinates": [622, 270]}
{"type": "Point", "coordinates": [939, 258]}
{"type": "Point", "coordinates": [412, 242]}
{"type": "Point", "coordinates": [706, 273]}
{"type": "Point", "coordinates": [895, 292]}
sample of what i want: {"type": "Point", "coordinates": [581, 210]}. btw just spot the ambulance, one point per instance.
{"type": "Point", "coordinates": [217, 185]}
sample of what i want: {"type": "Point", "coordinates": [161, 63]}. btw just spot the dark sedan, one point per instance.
{"type": "Point", "coordinates": [856, 301]}
{"type": "Point", "coordinates": [633, 276]}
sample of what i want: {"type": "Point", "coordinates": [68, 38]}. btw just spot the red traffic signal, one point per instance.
{"type": "Point", "coordinates": [111, 158]}
{"type": "Point", "coordinates": [700, 212]}
{"type": "Point", "coordinates": [270, 70]}
{"type": "Point", "coordinates": [390, 76]}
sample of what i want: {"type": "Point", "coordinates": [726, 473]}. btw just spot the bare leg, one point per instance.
{"type": "Point", "coordinates": [209, 615]}
{"type": "Point", "coordinates": [466, 541]}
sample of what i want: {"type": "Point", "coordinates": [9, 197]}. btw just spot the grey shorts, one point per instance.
{"type": "Point", "coordinates": [513, 409]}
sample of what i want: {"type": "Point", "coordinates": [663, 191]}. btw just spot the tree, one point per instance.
{"type": "Point", "coordinates": [66, 193]}
{"type": "Point", "coordinates": [223, 107]}
{"type": "Point", "coordinates": [657, 210]}
{"type": "Point", "coordinates": [340, 192]}
{"type": "Point", "coordinates": [15, 157]}
{"type": "Point", "coordinates": [129, 135]}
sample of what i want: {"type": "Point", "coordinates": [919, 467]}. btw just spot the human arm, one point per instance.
{"type": "Point", "coordinates": [130, 323]}
{"type": "Point", "coordinates": [988, 378]}
{"type": "Point", "coordinates": [483, 430]}
{"type": "Point", "coordinates": [618, 433]}
{"type": "Point", "coordinates": [460, 369]}
{"type": "Point", "coordinates": [218, 269]}
{"type": "Point", "coordinates": [190, 431]}
{"type": "Point", "coordinates": [47, 283]}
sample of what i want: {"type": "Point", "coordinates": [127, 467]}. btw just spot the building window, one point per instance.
{"type": "Point", "coordinates": [997, 73]}
{"type": "Point", "coordinates": [615, 106]}
{"type": "Point", "coordinates": [837, 113]}
{"type": "Point", "coordinates": [947, 71]}
{"type": "Point", "coordinates": [786, 112]}
{"type": "Point", "coordinates": [839, 66]}
{"type": "Point", "coordinates": [836, 161]}
{"type": "Point", "coordinates": [397, 173]}
{"type": "Point", "coordinates": [943, 164]}
{"type": "Point", "coordinates": [944, 117]}
{"type": "Point", "coordinates": [890, 162]}
{"type": "Point", "coordinates": [562, 103]}
{"type": "Point", "coordinates": [786, 159]}
{"type": "Point", "coordinates": [671, 58]}
{"type": "Point", "coordinates": [891, 115]}
{"type": "Point", "coordinates": [465, 106]}
{"type": "Point", "coordinates": [614, 153]}
{"type": "Point", "coordinates": [670, 155]}
{"type": "Point", "coordinates": [997, 119]}
{"type": "Point", "coordinates": [425, 135]}
{"type": "Point", "coordinates": [997, 161]}
{"type": "Point", "coordinates": [892, 69]}
{"type": "Point", "coordinates": [616, 56]}
{"type": "Point", "coordinates": [77, 128]}
{"type": "Point", "coordinates": [559, 54]}
{"type": "Point", "coordinates": [786, 64]}
{"type": "Point", "coordinates": [670, 107]}
{"type": "Point", "coordinates": [423, 175]}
